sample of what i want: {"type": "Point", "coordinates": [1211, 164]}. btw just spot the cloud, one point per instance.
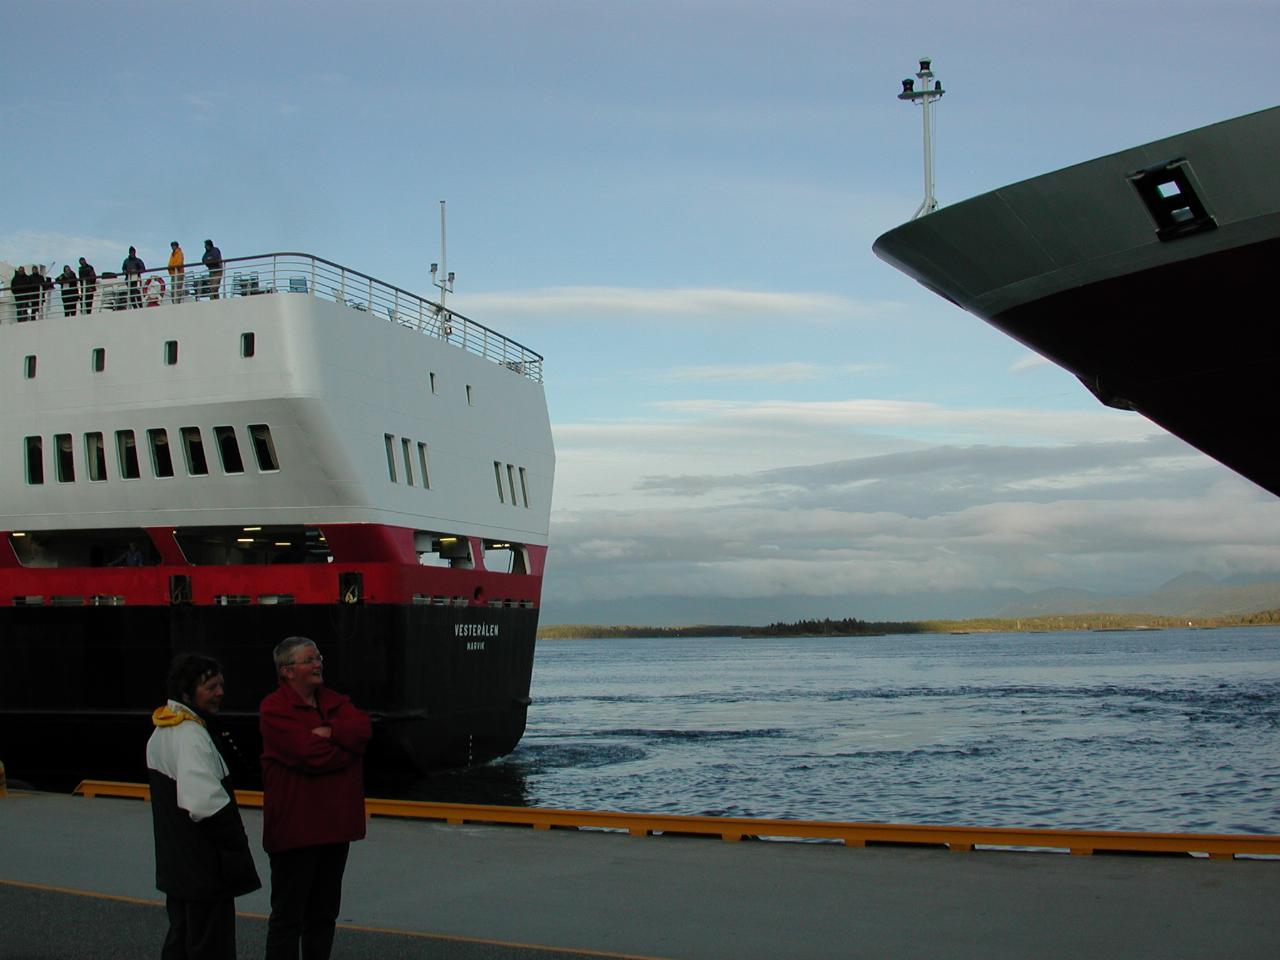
{"type": "Point", "coordinates": [1029, 361]}
{"type": "Point", "coordinates": [765, 372]}
{"type": "Point", "coordinates": [744, 506]}
{"type": "Point", "coordinates": [47, 247]}
{"type": "Point", "coordinates": [596, 303]}
{"type": "Point", "coordinates": [912, 456]}
{"type": "Point", "coordinates": [947, 473]}
{"type": "Point", "coordinates": [1103, 537]}
{"type": "Point", "coordinates": [918, 418]}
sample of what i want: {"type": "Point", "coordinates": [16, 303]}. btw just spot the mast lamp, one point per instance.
{"type": "Point", "coordinates": [929, 91]}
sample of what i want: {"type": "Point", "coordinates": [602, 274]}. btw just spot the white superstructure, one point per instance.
{"type": "Point", "coordinates": [306, 393]}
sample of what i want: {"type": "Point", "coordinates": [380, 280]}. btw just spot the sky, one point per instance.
{"type": "Point", "coordinates": [674, 202]}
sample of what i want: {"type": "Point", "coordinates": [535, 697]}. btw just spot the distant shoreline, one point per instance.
{"type": "Point", "coordinates": [852, 627]}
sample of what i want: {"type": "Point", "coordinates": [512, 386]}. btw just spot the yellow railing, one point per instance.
{"type": "Point", "coordinates": [1224, 846]}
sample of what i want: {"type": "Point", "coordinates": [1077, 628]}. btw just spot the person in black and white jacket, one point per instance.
{"type": "Point", "coordinates": [203, 861]}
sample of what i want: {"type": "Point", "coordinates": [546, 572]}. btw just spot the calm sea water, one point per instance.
{"type": "Point", "coordinates": [1149, 730]}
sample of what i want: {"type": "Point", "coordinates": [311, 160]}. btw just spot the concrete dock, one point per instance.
{"type": "Point", "coordinates": [76, 880]}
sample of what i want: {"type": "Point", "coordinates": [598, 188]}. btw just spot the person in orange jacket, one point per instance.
{"type": "Point", "coordinates": [177, 272]}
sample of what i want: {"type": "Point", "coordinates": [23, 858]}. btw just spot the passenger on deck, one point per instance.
{"type": "Point", "coordinates": [213, 260]}
{"type": "Point", "coordinates": [24, 288]}
{"type": "Point", "coordinates": [132, 269]}
{"type": "Point", "coordinates": [70, 292]}
{"type": "Point", "coordinates": [203, 861]}
{"type": "Point", "coordinates": [313, 742]}
{"type": "Point", "coordinates": [177, 273]}
{"type": "Point", "coordinates": [88, 284]}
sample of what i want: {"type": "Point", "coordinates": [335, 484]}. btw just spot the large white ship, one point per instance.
{"type": "Point", "coordinates": [293, 447]}
{"type": "Point", "coordinates": [1147, 273]}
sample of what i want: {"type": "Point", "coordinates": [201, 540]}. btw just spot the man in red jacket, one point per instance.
{"type": "Point", "coordinates": [313, 741]}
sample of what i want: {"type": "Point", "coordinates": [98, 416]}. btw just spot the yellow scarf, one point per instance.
{"type": "Point", "coordinates": [166, 716]}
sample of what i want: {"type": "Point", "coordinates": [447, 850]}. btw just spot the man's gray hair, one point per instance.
{"type": "Point", "coordinates": [283, 653]}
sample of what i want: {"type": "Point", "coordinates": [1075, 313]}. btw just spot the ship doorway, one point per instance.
{"type": "Point", "coordinates": [502, 556]}
{"type": "Point", "coordinates": [443, 550]}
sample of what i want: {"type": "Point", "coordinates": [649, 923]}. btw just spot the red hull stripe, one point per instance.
{"type": "Point", "coordinates": [382, 560]}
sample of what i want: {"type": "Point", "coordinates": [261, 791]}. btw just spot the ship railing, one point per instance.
{"type": "Point", "coordinates": [281, 273]}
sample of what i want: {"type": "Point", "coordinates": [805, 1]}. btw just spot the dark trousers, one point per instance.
{"type": "Point", "coordinates": [306, 895]}
{"type": "Point", "coordinates": [200, 930]}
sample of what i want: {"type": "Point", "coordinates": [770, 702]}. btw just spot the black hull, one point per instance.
{"type": "Point", "coordinates": [1181, 344]}
{"type": "Point", "coordinates": [447, 686]}
{"type": "Point", "coordinates": [1146, 273]}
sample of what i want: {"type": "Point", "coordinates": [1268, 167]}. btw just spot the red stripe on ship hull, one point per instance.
{"type": "Point", "coordinates": [383, 557]}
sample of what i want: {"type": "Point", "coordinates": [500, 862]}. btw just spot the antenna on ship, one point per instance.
{"type": "Point", "coordinates": [929, 91]}
{"type": "Point", "coordinates": [444, 280]}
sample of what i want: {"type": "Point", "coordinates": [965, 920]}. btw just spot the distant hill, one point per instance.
{"type": "Point", "coordinates": [1193, 594]}
{"type": "Point", "coordinates": [1187, 595]}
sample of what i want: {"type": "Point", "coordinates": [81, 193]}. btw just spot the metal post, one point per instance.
{"type": "Point", "coordinates": [444, 260]}
{"type": "Point", "coordinates": [928, 92]}
{"type": "Point", "coordinates": [440, 275]}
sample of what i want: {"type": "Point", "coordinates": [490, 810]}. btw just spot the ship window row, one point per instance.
{"type": "Point", "coordinates": [104, 454]}
{"type": "Point", "coordinates": [199, 546]}
{"type": "Point", "coordinates": [409, 455]}
{"type": "Point", "coordinates": [169, 355]}
{"type": "Point", "coordinates": [254, 545]}
{"type": "Point", "coordinates": [451, 550]}
{"type": "Point", "coordinates": [510, 472]}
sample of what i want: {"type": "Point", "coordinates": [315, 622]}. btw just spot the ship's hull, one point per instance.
{"type": "Point", "coordinates": [446, 686]}
{"type": "Point", "coordinates": [315, 453]}
{"type": "Point", "coordinates": [1158, 304]}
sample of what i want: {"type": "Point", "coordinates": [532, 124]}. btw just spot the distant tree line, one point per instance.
{"type": "Point", "coordinates": [853, 627]}
{"type": "Point", "coordinates": [847, 627]}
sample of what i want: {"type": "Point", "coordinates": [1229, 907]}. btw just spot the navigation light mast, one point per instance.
{"type": "Point", "coordinates": [929, 91]}
{"type": "Point", "coordinates": [440, 275]}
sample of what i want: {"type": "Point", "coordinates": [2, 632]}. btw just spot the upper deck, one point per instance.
{"type": "Point", "coordinates": [286, 390]}
{"type": "Point", "coordinates": [282, 273]}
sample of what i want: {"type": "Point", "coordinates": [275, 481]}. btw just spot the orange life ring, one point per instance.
{"type": "Point", "coordinates": [149, 298]}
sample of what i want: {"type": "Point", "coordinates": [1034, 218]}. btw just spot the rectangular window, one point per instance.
{"type": "Point", "coordinates": [228, 449]}
{"type": "Point", "coordinates": [65, 460]}
{"type": "Point", "coordinates": [422, 462]}
{"type": "Point", "coordinates": [247, 344]}
{"type": "Point", "coordinates": [524, 486]}
{"type": "Point", "coordinates": [408, 461]}
{"type": "Point", "coordinates": [35, 460]}
{"type": "Point", "coordinates": [389, 440]}
{"type": "Point", "coordinates": [95, 456]}
{"type": "Point", "coordinates": [170, 352]}
{"type": "Point", "coordinates": [98, 361]}
{"type": "Point", "coordinates": [434, 388]}
{"type": "Point", "coordinates": [161, 456]}
{"type": "Point", "coordinates": [264, 448]}
{"type": "Point", "coordinates": [127, 450]}
{"type": "Point", "coordinates": [193, 452]}
{"type": "Point", "coordinates": [29, 366]}
{"type": "Point", "coordinates": [511, 483]}
{"type": "Point", "coordinates": [471, 397]}
{"type": "Point", "coordinates": [497, 477]}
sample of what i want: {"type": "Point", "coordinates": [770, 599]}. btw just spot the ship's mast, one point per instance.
{"type": "Point", "coordinates": [929, 91]}
{"type": "Point", "coordinates": [440, 275]}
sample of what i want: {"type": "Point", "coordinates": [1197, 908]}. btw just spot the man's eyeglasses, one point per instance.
{"type": "Point", "coordinates": [307, 662]}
